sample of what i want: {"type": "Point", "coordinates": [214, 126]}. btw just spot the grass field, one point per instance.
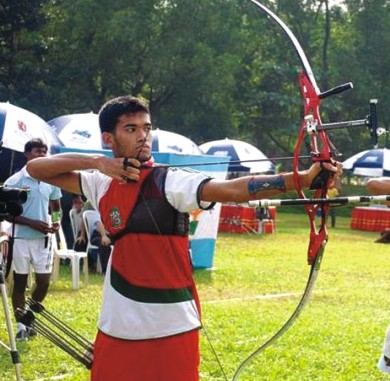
{"type": "Point", "coordinates": [253, 288]}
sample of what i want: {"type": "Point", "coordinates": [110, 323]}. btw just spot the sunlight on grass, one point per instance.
{"type": "Point", "coordinates": [254, 287]}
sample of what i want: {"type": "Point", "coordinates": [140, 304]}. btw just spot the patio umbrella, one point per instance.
{"type": "Point", "coordinates": [239, 152]}
{"type": "Point", "coordinates": [372, 163]}
{"type": "Point", "coordinates": [166, 141]}
{"type": "Point", "coordinates": [17, 127]}
{"type": "Point", "coordinates": [79, 131]}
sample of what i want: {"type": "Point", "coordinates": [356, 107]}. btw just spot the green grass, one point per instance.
{"type": "Point", "coordinates": [338, 336]}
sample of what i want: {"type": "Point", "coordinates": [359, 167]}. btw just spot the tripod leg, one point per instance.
{"type": "Point", "coordinates": [14, 352]}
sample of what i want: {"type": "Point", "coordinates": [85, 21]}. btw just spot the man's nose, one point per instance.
{"type": "Point", "coordinates": [142, 135]}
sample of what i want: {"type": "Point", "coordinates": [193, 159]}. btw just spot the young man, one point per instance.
{"type": "Point", "coordinates": [381, 186]}
{"type": "Point", "coordinates": [31, 243]}
{"type": "Point", "coordinates": [150, 317]}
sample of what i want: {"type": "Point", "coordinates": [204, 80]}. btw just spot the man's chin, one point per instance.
{"type": "Point", "coordinates": [144, 158]}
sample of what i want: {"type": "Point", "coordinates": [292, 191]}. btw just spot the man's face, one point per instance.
{"type": "Point", "coordinates": [36, 152]}
{"type": "Point", "coordinates": [132, 137]}
{"type": "Point", "coordinates": [78, 204]}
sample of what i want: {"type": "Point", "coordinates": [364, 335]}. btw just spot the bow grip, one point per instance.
{"type": "Point", "coordinates": [320, 180]}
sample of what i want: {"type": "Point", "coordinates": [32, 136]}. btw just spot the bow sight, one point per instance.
{"type": "Point", "coordinates": [371, 121]}
{"type": "Point", "coordinates": [11, 200]}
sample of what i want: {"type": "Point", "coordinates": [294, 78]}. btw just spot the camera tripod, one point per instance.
{"type": "Point", "coordinates": [5, 264]}
{"type": "Point", "coordinates": [12, 349]}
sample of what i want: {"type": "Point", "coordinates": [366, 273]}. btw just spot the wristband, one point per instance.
{"type": "Point", "coordinates": [56, 216]}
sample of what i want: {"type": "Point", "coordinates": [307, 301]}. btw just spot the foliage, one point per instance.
{"type": "Point", "coordinates": [22, 52]}
{"type": "Point", "coordinates": [210, 68]}
{"type": "Point", "coordinates": [253, 288]}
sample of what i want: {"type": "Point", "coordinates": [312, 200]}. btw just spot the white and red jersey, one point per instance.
{"type": "Point", "coordinates": [149, 290]}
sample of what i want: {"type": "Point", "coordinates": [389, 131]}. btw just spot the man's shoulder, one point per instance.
{"type": "Point", "coordinates": [15, 177]}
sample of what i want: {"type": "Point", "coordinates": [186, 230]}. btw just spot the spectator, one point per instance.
{"type": "Point", "coordinates": [333, 192]}
{"type": "Point", "coordinates": [32, 245]}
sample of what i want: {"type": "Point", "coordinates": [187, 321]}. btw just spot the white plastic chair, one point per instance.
{"type": "Point", "coordinates": [89, 215]}
{"type": "Point", "coordinates": [72, 216]}
{"type": "Point", "coordinates": [60, 251]}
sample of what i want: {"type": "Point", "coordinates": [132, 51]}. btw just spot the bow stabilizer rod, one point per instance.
{"type": "Point", "coordinates": [264, 203]}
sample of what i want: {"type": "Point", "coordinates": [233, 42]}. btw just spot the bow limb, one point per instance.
{"type": "Point", "coordinates": [311, 102]}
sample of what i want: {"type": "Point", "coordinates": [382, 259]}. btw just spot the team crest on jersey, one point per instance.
{"type": "Point", "coordinates": [115, 218]}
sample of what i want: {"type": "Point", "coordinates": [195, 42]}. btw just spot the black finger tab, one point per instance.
{"type": "Point", "coordinates": [320, 180]}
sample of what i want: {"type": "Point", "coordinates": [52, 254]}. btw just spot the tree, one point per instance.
{"type": "Point", "coordinates": [22, 51]}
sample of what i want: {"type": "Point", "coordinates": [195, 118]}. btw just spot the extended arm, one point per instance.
{"type": "Point", "coordinates": [379, 185]}
{"type": "Point", "coordinates": [259, 187]}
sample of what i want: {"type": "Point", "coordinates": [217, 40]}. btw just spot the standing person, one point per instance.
{"type": "Point", "coordinates": [333, 192]}
{"type": "Point", "coordinates": [381, 186]}
{"type": "Point", "coordinates": [150, 317]}
{"type": "Point", "coordinates": [31, 242]}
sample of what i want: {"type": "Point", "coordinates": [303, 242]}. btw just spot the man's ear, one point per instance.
{"type": "Point", "coordinates": [107, 139]}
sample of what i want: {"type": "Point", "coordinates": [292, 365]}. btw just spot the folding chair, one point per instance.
{"type": "Point", "coordinates": [60, 251]}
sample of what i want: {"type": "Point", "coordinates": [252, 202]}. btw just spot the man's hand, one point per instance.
{"type": "Point", "coordinates": [40, 226]}
{"type": "Point", "coordinates": [80, 240]}
{"type": "Point", "coordinates": [55, 227]}
{"type": "Point", "coordinates": [122, 169]}
{"type": "Point", "coordinates": [106, 241]}
{"type": "Point", "coordinates": [335, 170]}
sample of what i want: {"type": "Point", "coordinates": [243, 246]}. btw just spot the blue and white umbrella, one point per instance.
{"type": "Point", "coordinates": [371, 163]}
{"type": "Point", "coordinates": [18, 126]}
{"type": "Point", "coordinates": [80, 131]}
{"type": "Point", "coordinates": [239, 153]}
{"type": "Point", "coordinates": [171, 142]}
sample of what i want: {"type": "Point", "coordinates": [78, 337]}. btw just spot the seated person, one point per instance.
{"type": "Point", "coordinates": [77, 206]}
{"type": "Point", "coordinates": [99, 238]}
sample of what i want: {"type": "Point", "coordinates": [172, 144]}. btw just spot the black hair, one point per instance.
{"type": "Point", "coordinates": [34, 143]}
{"type": "Point", "coordinates": [112, 110]}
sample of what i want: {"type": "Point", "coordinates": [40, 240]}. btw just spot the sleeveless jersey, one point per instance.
{"type": "Point", "coordinates": [149, 290]}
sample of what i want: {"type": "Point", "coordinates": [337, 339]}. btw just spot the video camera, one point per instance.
{"type": "Point", "coordinates": [11, 200]}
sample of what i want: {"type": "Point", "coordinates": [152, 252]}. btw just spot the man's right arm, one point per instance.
{"type": "Point", "coordinates": [62, 170]}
